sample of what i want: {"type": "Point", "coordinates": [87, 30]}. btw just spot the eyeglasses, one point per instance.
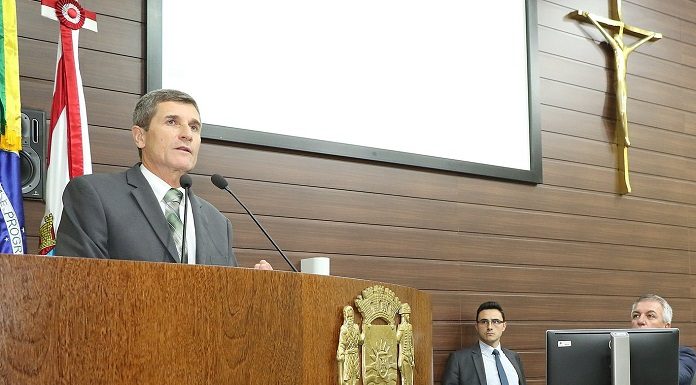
{"type": "Point", "coordinates": [485, 322]}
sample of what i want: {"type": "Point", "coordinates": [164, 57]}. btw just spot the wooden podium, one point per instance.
{"type": "Point", "coordinates": [85, 321]}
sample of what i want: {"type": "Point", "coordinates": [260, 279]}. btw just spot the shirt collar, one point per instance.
{"type": "Point", "coordinates": [159, 186]}
{"type": "Point", "coordinates": [487, 349]}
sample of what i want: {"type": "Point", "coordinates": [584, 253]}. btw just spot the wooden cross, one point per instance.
{"type": "Point", "coordinates": [613, 31]}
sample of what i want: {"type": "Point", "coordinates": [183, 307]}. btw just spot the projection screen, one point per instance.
{"type": "Point", "coordinates": [448, 85]}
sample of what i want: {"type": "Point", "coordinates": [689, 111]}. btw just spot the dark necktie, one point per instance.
{"type": "Point", "coordinates": [499, 366]}
{"type": "Point", "coordinates": [172, 200]}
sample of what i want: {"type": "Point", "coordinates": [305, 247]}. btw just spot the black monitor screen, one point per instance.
{"type": "Point", "coordinates": [583, 357]}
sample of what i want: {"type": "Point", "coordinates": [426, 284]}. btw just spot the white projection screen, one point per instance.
{"type": "Point", "coordinates": [442, 84]}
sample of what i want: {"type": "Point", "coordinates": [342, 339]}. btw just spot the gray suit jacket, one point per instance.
{"type": "Point", "coordinates": [117, 216]}
{"type": "Point", "coordinates": [465, 367]}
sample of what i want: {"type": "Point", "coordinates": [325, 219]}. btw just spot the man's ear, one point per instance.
{"type": "Point", "coordinates": [138, 136]}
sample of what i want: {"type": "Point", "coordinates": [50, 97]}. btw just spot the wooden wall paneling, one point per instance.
{"type": "Point", "coordinates": [330, 172]}
{"type": "Point", "coordinates": [576, 123]}
{"type": "Point", "coordinates": [528, 253]}
{"type": "Point", "coordinates": [594, 178]}
{"type": "Point", "coordinates": [477, 219]}
{"type": "Point", "coordinates": [639, 64]}
{"type": "Point", "coordinates": [133, 10]}
{"type": "Point", "coordinates": [527, 224]}
{"type": "Point", "coordinates": [595, 77]}
{"type": "Point", "coordinates": [359, 207]}
{"type": "Point", "coordinates": [105, 108]}
{"type": "Point", "coordinates": [685, 9]}
{"type": "Point", "coordinates": [593, 127]}
{"type": "Point", "coordinates": [563, 147]}
{"type": "Point", "coordinates": [687, 33]}
{"type": "Point", "coordinates": [116, 35]}
{"type": "Point", "coordinates": [123, 75]}
{"type": "Point", "coordinates": [584, 100]}
{"type": "Point", "coordinates": [552, 14]}
{"type": "Point", "coordinates": [113, 147]}
{"type": "Point", "coordinates": [469, 276]}
{"type": "Point", "coordinates": [558, 200]}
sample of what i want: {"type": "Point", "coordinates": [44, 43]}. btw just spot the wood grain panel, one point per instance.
{"type": "Point", "coordinates": [590, 51]}
{"type": "Point", "coordinates": [590, 101]}
{"type": "Point", "coordinates": [124, 75]}
{"type": "Point", "coordinates": [687, 33]}
{"type": "Point", "coordinates": [76, 320]}
{"type": "Point", "coordinates": [439, 275]}
{"type": "Point", "coordinates": [577, 150]}
{"type": "Point", "coordinates": [531, 313]}
{"type": "Point", "coordinates": [106, 108]}
{"type": "Point", "coordinates": [357, 238]}
{"type": "Point", "coordinates": [685, 9]}
{"type": "Point", "coordinates": [116, 35]}
{"type": "Point", "coordinates": [555, 15]}
{"type": "Point", "coordinates": [597, 128]}
{"type": "Point", "coordinates": [595, 178]}
{"type": "Point", "coordinates": [363, 207]}
{"type": "Point", "coordinates": [600, 79]}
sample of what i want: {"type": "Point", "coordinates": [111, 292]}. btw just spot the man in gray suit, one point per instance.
{"type": "Point", "coordinates": [487, 362]}
{"type": "Point", "coordinates": [129, 215]}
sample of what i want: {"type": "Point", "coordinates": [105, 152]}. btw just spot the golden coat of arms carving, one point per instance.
{"type": "Point", "coordinates": [381, 351]}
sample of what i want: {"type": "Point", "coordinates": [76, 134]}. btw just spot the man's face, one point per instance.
{"type": "Point", "coordinates": [648, 314]}
{"type": "Point", "coordinates": [490, 326]}
{"type": "Point", "coordinates": [171, 143]}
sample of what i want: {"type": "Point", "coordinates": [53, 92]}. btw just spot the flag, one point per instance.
{"type": "Point", "coordinates": [69, 155]}
{"type": "Point", "coordinates": [12, 236]}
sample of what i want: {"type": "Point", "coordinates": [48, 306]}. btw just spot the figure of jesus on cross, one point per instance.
{"type": "Point", "coordinates": [613, 32]}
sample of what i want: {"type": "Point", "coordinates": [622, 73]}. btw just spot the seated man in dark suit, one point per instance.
{"type": "Point", "coordinates": [487, 362]}
{"type": "Point", "coordinates": [138, 214]}
{"type": "Point", "coordinates": [653, 311]}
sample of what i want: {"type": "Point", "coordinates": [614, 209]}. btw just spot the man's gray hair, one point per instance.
{"type": "Point", "coordinates": [146, 107]}
{"type": "Point", "coordinates": [666, 309]}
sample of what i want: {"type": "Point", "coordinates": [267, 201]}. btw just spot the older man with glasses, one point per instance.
{"type": "Point", "coordinates": [487, 362]}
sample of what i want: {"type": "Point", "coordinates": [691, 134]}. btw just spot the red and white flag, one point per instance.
{"type": "Point", "coordinates": [69, 155]}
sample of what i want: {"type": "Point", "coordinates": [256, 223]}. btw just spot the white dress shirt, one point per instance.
{"type": "Point", "coordinates": [491, 369]}
{"type": "Point", "coordinates": [160, 188]}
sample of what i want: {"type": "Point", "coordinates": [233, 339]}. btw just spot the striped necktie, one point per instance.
{"type": "Point", "coordinates": [172, 200]}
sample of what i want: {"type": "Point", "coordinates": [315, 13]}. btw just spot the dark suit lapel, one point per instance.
{"type": "Point", "coordinates": [145, 197]}
{"type": "Point", "coordinates": [513, 357]}
{"type": "Point", "coordinates": [478, 363]}
{"type": "Point", "coordinates": [205, 246]}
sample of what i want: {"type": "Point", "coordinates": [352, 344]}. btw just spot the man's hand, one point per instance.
{"type": "Point", "coordinates": [263, 265]}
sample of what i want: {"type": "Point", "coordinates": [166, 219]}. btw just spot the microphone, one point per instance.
{"type": "Point", "coordinates": [185, 182]}
{"type": "Point", "coordinates": [221, 183]}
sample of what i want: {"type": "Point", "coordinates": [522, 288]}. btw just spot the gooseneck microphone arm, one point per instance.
{"type": "Point", "coordinates": [185, 182]}
{"type": "Point", "coordinates": [221, 183]}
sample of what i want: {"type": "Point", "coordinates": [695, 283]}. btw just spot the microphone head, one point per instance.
{"type": "Point", "coordinates": [218, 181]}
{"type": "Point", "coordinates": [185, 181]}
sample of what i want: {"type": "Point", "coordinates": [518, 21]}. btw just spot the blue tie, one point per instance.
{"type": "Point", "coordinates": [499, 366]}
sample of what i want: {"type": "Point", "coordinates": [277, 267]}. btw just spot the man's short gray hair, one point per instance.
{"type": "Point", "coordinates": [146, 107]}
{"type": "Point", "coordinates": [666, 309]}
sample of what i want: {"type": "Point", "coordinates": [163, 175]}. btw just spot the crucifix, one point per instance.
{"type": "Point", "coordinates": [613, 30]}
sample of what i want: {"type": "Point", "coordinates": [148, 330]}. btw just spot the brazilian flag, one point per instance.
{"type": "Point", "coordinates": [12, 235]}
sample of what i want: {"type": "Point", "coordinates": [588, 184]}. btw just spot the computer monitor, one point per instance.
{"type": "Point", "coordinates": [583, 356]}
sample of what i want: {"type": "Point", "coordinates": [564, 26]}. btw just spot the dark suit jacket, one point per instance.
{"type": "Point", "coordinates": [117, 216]}
{"type": "Point", "coordinates": [687, 365]}
{"type": "Point", "coordinates": [465, 367]}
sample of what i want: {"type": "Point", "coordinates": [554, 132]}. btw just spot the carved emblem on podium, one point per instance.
{"type": "Point", "coordinates": [381, 351]}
